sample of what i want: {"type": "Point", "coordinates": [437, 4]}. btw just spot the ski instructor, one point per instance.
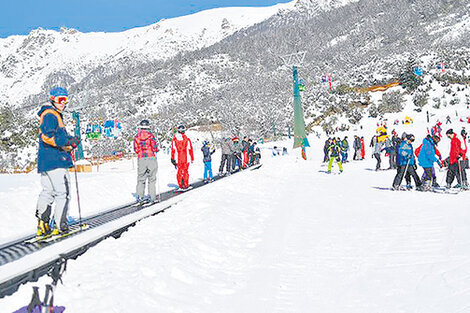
{"type": "Point", "coordinates": [182, 146]}
{"type": "Point", "coordinates": [54, 160]}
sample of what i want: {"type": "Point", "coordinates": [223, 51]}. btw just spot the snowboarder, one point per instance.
{"type": "Point", "coordinates": [146, 148]}
{"type": "Point", "coordinates": [426, 158]}
{"type": "Point", "coordinates": [207, 153]}
{"type": "Point", "coordinates": [407, 163]}
{"type": "Point", "coordinates": [456, 156]}
{"type": "Point", "coordinates": [334, 154]}
{"type": "Point", "coordinates": [54, 160]}
{"type": "Point", "coordinates": [181, 145]}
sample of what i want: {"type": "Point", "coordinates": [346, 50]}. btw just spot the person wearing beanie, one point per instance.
{"type": "Point", "coordinates": [146, 148]}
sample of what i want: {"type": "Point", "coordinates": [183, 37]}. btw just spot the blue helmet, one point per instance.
{"type": "Point", "coordinates": [205, 143]}
{"type": "Point", "coordinates": [58, 91]}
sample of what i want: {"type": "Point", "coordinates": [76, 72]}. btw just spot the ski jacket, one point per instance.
{"type": "Point", "coordinates": [225, 146]}
{"type": "Point", "coordinates": [406, 154]}
{"type": "Point", "coordinates": [145, 144]}
{"type": "Point", "coordinates": [182, 146]}
{"type": "Point", "coordinates": [427, 153]}
{"type": "Point", "coordinates": [207, 153]}
{"type": "Point", "coordinates": [345, 145]}
{"type": "Point", "coordinates": [456, 150]}
{"type": "Point", "coordinates": [245, 146]}
{"type": "Point", "coordinates": [363, 148]}
{"type": "Point", "coordinates": [378, 147]}
{"type": "Point", "coordinates": [236, 148]}
{"type": "Point", "coordinates": [53, 141]}
{"type": "Point", "coordinates": [357, 143]}
{"type": "Point", "coordinates": [334, 150]}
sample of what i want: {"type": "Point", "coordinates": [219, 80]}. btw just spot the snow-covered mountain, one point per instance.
{"type": "Point", "coordinates": [26, 61]}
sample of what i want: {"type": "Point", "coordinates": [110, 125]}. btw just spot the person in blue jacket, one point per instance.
{"type": "Point", "coordinates": [427, 158]}
{"type": "Point", "coordinates": [54, 160]}
{"type": "Point", "coordinates": [406, 163]}
{"type": "Point", "coordinates": [207, 153]}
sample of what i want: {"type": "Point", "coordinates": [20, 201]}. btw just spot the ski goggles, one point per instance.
{"type": "Point", "coordinates": [60, 99]}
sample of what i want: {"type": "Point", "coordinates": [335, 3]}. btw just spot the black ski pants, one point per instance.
{"type": "Point", "coordinates": [225, 159]}
{"type": "Point", "coordinates": [457, 170]}
{"type": "Point", "coordinates": [410, 170]}
{"type": "Point", "coordinates": [377, 156]}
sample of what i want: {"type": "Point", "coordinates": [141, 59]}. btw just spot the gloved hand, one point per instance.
{"type": "Point", "coordinates": [73, 142]}
{"type": "Point", "coordinates": [173, 161]}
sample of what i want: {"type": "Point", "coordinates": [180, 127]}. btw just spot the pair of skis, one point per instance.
{"type": "Point", "coordinates": [48, 238]}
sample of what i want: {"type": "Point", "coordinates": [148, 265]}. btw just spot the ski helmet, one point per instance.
{"type": "Point", "coordinates": [181, 129]}
{"type": "Point", "coordinates": [56, 93]}
{"type": "Point", "coordinates": [144, 124]}
{"type": "Point", "coordinates": [205, 143]}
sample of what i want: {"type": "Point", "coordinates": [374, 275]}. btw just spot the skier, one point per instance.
{"type": "Point", "coordinates": [377, 150]}
{"type": "Point", "coordinates": [251, 152]}
{"type": "Point", "coordinates": [207, 153]}
{"type": "Point", "coordinates": [357, 148]}
{"type": "Point", "coordinates": [448, 120]}
{"type": "Point", "coordinates": [439, 156]}
{"type": "Point", "coordinates": [325, 150]}
{"type": "Point", "coordinates": [181, 145]}
{"type": "Point", "coordinates": [225, 146]}
{"type": "Point", "coordinates": [146, 148]}
{"type": "Point", "coordinates": [257, 155]}
{"type": "Point", "coordinates": [363, 149]}
{"type": "Point", "coordinates": [334, 154]}
{"type": "Point", "coordinates": [236, 154]}
{"type": "Point", "coordinates": [344, 149]}
{"type": "Point", "coordinates": [407, 163]}
{"type": "Point", "coordinates": [456, 155]}
{"type": "Point", "coordinates": [426, 159]}
{"type": "Point", "coordinates": [245, 149]}
{"type": "Point", "coordinates": [391, 153]}
{"type": "Point", "coordinates": [54, 160]}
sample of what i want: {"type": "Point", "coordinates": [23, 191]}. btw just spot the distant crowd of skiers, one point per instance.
{"type": "Point", "coordinates": [337, 150]}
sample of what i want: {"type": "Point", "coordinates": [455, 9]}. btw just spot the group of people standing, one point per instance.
{"type": "Point", "coordinates": [337, 150]}
{"type": "Point", "coordinates": [238, 155]}
{"type": "Point", "coordinates": [405, 159]}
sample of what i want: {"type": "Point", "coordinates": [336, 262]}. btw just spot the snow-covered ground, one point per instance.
{"type": "Point", "coordinates": [284, 238]}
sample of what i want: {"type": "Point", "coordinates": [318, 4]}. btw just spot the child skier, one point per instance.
{"type": "Point", "coordinates": [334, 153]}
{"type": "Point", "coordinates": [182, 146]}
{"type": "Point", "coordinates": [54, 160]}
{"type": "Point", "coordinates": [406, 163]}
{"type": "Point", "coordinates": [146, 147]}
{"type": "Point", "coordinates": [207, 153]}
{"type": "Point", "coordinates": [426, 159]}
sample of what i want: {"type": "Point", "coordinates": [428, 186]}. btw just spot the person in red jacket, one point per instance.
{"type": "Point", "coordinates": [146, 147]}
{"type": "Point", "coordinates": [363, 149]}
{"type": "Point", "coordinates": [456, 160]}
{"type": "Point", "coordinates": [182, 146]}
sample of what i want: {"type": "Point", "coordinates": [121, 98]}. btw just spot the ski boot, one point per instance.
{"type": "Point", "coordinates": [43, 229]}
{"type": "Point", "coordinates": [61, 231]}
{"type": "Point", "coordinates": [427, 186]}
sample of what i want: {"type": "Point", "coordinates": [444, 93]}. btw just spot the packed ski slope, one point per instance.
{"type": "Point", "coordinates": [284, 238]}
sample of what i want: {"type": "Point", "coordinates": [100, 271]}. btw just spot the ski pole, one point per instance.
{"type": "Point", "coordinates": [460, 174]}
{"type": "Point", "coordinates": [78, 196]}
{"type": "Point", "coordinates": [158, 183]}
